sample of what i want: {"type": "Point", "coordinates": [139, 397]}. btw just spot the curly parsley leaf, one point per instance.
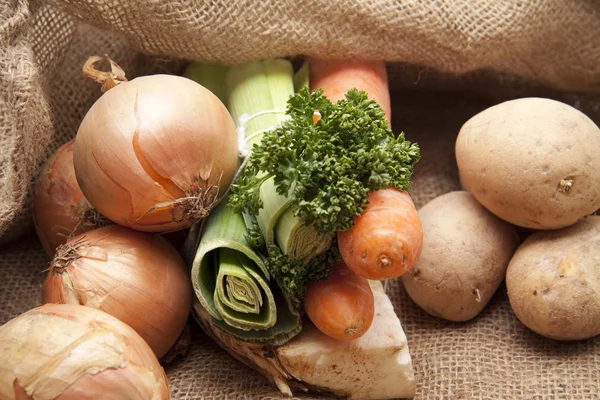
{"type": "Point", "coordinates": [255, 238]}
{"type": "Point", "coordinates": [293, 276]}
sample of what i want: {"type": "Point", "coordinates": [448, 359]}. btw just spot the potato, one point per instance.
{"type": "Point", "coordinates": [553, 281]}
{"type": "Point", "coordinates": [466, 250]}
{"type": "Point", "coordinates": [532, 162]}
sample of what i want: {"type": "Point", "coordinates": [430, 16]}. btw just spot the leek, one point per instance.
{"type": "Point", "coordinates": [229, 278]}
{"type": "Point", "coordinates": [258, 93]}
{"type": "Point", "coordinates": [231, 282]}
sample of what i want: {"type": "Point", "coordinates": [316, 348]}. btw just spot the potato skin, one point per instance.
{"type": "Point", "coordinates": [466, 250]}
{"type": "Point", "coordinates": [553, 281]}
{"type": "Point", "coordinates": [513, 157]}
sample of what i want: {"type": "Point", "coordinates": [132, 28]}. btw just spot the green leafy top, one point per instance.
{"type": "Point", "coordinates": [330, 166]}
{"type": "Point", "coordinates": [255, 238]}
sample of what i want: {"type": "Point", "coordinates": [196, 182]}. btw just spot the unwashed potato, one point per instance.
{"type": "Point", "coordinates": [532, 162]}
{"type": "Point", "coordinates": [553, 281]}
{"type": "Point", "coordinates": [466, 250]}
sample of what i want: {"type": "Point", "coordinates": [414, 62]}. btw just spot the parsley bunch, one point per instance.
{"type": "Point", "coordinates": [327, 167]}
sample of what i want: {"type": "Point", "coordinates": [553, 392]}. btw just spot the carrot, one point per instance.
{"type": "Point", "coordinates": [337, 77]}
{"type": "Point", "coordinates": [386, 240]}
{"type": "Point", "coordinates": [342, 307]}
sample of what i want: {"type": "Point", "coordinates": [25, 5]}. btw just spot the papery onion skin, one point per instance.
{"type": "Point", "coordinates": [136, 277]}
{"type": "Point", "coordinates": [59, 208]}
{"type": "Point", "coordinates": [68, 352]}
{"type": "Point", "coordinates": [154, 153]}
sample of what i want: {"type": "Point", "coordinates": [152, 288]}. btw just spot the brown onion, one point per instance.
{"type": "Point", "coordinates": [136, 277]}
{"type": "Point", "coordinates": [59, 208]}
{"type": "Point", "coordinates": [65, 351]}
{"type": "Point", "coordinates": [154, 153]}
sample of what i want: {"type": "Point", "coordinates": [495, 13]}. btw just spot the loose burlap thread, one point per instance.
{"type": "Point", "coordinates": [448, 60]}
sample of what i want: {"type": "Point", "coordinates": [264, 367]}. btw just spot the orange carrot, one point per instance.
{"type": "Point", "coordinates": [387, 237]}
{"type": "Point", "coordinates": [341, 307]}
{"type": "Point", "coordinates": [386, 240]}
{"type": "Point", "coordinates": [337, 77]}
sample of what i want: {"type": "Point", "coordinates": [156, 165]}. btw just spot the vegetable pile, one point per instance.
{"type": "Point", "coordinates": [312, 168]}
{"type": "Point", "coordinates": [295, 191]}
{"type": "Point", "coordinates": [293, 194]}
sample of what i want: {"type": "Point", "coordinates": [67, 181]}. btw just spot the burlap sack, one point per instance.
{"type": "Point", "coordinates": [502, 50]}
{"type": "Point", "coordinates": [554, 43]}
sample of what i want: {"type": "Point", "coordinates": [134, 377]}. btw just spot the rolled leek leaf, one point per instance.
{"type": "Point", "coordinates": [233, 285]}
{"type": "Point", "coordinates": [239, 291]}
{"type": "Point", "coordinates": [257, 99]}
{"type": "Point", "coordinates": [298, 241]}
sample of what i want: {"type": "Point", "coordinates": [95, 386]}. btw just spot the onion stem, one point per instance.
{"type": "Point", "coordinates": [108, 79]}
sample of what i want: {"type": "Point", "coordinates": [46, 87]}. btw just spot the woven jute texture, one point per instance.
{"type": "Point", "coordinates": [536, 38]}
{"type": "Point", "coordinates": [502, 49]}
{"type": "Point", "coordinates": [491, 357]}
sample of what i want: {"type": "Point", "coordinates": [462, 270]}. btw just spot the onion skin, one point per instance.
{"type": "Point", "coordinates": [59, 207]}
{"type": "Point", "coordinates": [136, 277]}
{"type": "Point", "coordinates": [153, 153]}
{"type": "Point", "coordinates": [65, 351]}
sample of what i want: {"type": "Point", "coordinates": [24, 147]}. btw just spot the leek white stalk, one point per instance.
{"type": "Point", "coordinates": [257, 98]}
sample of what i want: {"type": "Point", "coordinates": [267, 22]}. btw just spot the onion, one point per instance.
{"type": "Point", "coordinates": [136, 277]}
{"type": "Point", "coordinates": [154, 153]}
{"type": "Point", "coordinates": [74, 352]}
{"type": "Point", "coordinates": [59, 208]}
